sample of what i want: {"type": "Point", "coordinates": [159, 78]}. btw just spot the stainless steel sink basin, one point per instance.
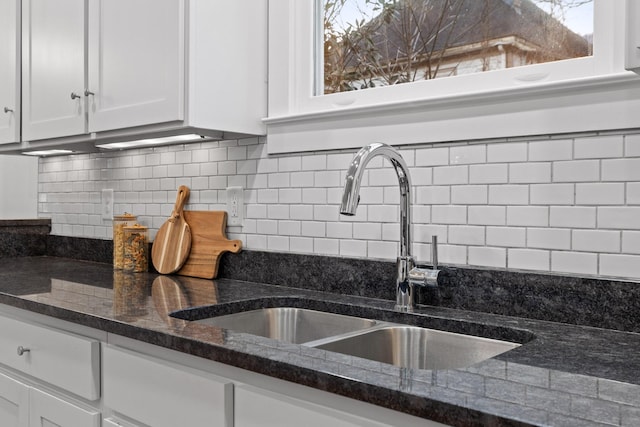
{"type": "Point", "coordinates": [420, 348]}
{"type": "Point", "coordinates": [294, 325]}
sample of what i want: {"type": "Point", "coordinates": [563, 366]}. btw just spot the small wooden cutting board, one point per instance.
{"type": "Point", "coordinates": [208, 243]}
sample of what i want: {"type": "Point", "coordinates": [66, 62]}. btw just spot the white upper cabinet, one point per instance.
{"type": "Point", "coordinates": [10, 71]}
{"type": "Point", "coordinates": [136, 63]}
{"type": "Point", "coordinates": [96, 70]}
{"type": "Point", "coordinates": [53, 77]}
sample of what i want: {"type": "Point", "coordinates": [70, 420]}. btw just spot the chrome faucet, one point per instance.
{"type": "Point", "coordinates": [408, 275]}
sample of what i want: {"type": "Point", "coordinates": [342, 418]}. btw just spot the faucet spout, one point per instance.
{"type": "Point", "coordinates": [405, 279]}
{"type": "Point", "coordinates": [351, 195]}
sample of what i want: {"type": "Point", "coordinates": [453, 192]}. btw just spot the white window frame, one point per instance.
{"type": "Point", "coordinates": [579, 95]}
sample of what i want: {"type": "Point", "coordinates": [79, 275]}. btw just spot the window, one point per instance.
{"type": "Point", "coordinates": [374, 43]}
{"type": "Point", "coordinates": [586, 93]}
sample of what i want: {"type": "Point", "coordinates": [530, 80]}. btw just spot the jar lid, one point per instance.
{"type": "Point", "coordinates": [124, 217]}
{"type": "Point", "coordinates": [136, 227]}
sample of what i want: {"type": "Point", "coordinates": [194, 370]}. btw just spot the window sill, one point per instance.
{"type": "Point", "coordinates": [579, 105]}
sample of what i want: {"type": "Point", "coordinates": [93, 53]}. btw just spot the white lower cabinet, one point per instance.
{"type": "Point", "coordinates": [22, 405]}
{"type": "Point", "coordinates": [261, 408]}
{"type": "Point", "coordinates": [158, 393]}
{"type": "Point", "coordinates": [47, 376]}
{"type": "Point", "coordinates": [14, 403]}
{"type": "Point", "coordinates": [46, 410]}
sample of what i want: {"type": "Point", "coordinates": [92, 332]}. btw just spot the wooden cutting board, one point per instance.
{"type": "Point", "coordinates": [172, 243]}
{"type": "Point", "coordinates": [208, 243]}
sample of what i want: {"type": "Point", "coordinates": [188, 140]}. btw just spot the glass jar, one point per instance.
{"type": "Point", "coordinates": [136, 248]}
{"type": "Point", "coordinates": [119, 222]}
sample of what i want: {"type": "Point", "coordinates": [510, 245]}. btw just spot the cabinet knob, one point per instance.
{"type": "Point", "coordinates": [87, 92]}
{"type": "Point", "coordinates": [75, 95]}
{"type": "Point", "coordinates": [22, 350]}
{"type": "Point", "coordinates": [8, 110]}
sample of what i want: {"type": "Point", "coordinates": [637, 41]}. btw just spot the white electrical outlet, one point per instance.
{"type": "Point", "coordinates": [106, 203]}
{"type": "Point", "coordinates": [235, 206]}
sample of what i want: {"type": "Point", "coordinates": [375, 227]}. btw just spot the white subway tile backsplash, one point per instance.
{"type": "Point", "coordinates": [576, 171]}
{"type": "Point", "coordinates": [598, 147]}
{"type": "Point", "coordinates": [301, 245]}
{"type": "Point", "coordinates": [574, 262]}
{"type": "Point", "coordinates": [508, 194]}
{"type": "Point", "coordinates": [367, 231]}
{"type": "Point", "coordinates": [506, 236]}
{"type": "Point", "coordinates": [620, 265]}
{"type": "Point", "coordinates": [552, 194]}
{"type": "Point", "coordinates": [278, 180]}
{"type": "Point", "coordinates": [316, 162]}
{"type": "Point", "coordinates": [452, 254]}
{"type": "Point", "coordinates": [533, 216]}
{"type": "Point", "coordinates": [449, 175]}
{"type": "Point", "coordinates": [467, 154]}
{"type": "Point", "coordinates": [488, 174]}
{"type": "Point", "coordinates": [340, 230]}
{"type": "Point", "coordinates": [507, 152]}
{"type": "Point", "coordinates": [621, 170]}
{"type": "Point", "coordinates": [596, 240]}
{"type": "Point", "coordinates": [619, 217]}
{"type": "Point", "coordinates": [600, 194]}
{"type": "Point", "coordinates": [278, 211]}
{"type": "Point", "coordinates": [314, 229]}
{"type": "Point", "coordinates": [631, 242]}
{"type": "Point", "coordinates": [549, 238]}
{"type": "Point", "coordinates": [382, 213]}
{"type": "Point", "coordinates": [528, 259]}
{"type": "Point", "coordinates": [487, 215]}
{"type": "Point", "coordinates": [550, 150]}
{"type": "Point", "coordinates": [314, 195]}
{"type": "Point", "coordinates": [487, 256]}
{"type": "Point", "coordinates": [447, 214]}
{"type": "Point", "coordinates": [290, 164]}
{"type": "Point", "coordinates": [382, 250]}
{"type": "Point", "coordinates": [469, 194]}
{"type": "Point", "coordinates": [572, 216]}
{"type": "Point", "coordinates": [632, 145]}
{"type": "Point", "coordinates": [523, 173]}
{"type": "Point", "coordinates": [326, 246]}
{"type": "Point", "coordinates": [466, 235]}
{"type": "Point", "coordinates": [289, 228]}
{"type": "Point", "coordinates": [353, 248]}
{"type": "Point", "coordinates": [432, 195]}
{"type": "Point", "coordinates": [432, 156]}
{"type": "Point", "coordinates": [491, 203]}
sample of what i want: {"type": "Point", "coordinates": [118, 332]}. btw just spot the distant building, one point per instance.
{"type": "Point", "coordinates": [426, 39]}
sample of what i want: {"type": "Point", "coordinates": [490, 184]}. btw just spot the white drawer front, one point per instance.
{"type": "Point", "coordinates": [47, 410]}
{"type": "Point", "coordinates": [65, 360]}
{"type": "Point", "coordinates": [161, 394]}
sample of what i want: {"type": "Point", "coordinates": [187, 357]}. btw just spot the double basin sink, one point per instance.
{"type": "Point", "coordinates": [386, 342]}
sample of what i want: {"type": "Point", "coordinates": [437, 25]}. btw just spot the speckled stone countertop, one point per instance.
{"type": "Point", "coordinates": [562, 375]}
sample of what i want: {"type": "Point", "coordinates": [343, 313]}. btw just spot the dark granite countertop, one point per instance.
{"type": "Point", "coordinates": [562, 375]}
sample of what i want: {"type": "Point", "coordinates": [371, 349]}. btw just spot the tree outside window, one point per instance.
{"type": "Point", "coordinates": [373, 43]}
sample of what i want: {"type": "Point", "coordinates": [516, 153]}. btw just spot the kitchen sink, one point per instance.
{"type": "Point", "coordinates": [385, 341]}
{"type": "Point", "coordinates": [420, 348]}
{"type": "Point", "coordinates": [293, 325]}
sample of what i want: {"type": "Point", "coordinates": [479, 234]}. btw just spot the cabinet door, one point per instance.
{"type": "Point", "coordinates": [14, 403]}
{"type": "Point", "coordinates": [9, 70]}
{"type": "Point", "coordinates": [53, 68]}
{"type": "Point", "coordinates": [47, 411]}
{"type": "Point", "coordinates": [136, 63]}
{"type": "Point", "coordinates": [166, 395]}
{"type": "Point", "coordinates": [259, 408]}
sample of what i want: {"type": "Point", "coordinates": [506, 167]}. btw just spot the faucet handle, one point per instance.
{"type": "Point", "coordinates": [424, 277]}
{"type": "Point", "coordinates": [434, 251]}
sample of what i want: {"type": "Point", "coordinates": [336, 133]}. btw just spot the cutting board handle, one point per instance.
{"type": "Point", "coordinates": [181, 199]}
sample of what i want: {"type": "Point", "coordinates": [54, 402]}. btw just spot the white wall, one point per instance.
{"type": "Point", "coordinates": [18, 187]}
{"type": "Point", "coordinates": [568, 204]}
